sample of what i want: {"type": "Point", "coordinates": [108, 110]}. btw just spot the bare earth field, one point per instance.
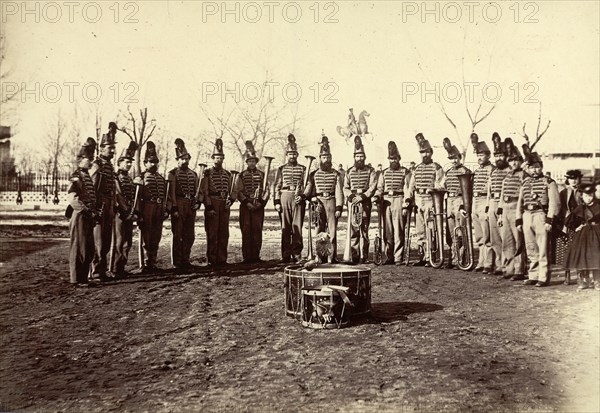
{"type": "Point", "coordinates": [219, 341]}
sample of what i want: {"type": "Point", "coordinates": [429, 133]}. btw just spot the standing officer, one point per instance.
{"type": "Point", "coordinates": [103, 176]}
{"type": "Point", "coordinates": [537, 206]}
{"type": "Point", "coordinates": [497, 176]}
{"type": "Point", "coordinates": [183, 185]}
{"type": "Point", "coordinates": [455, 210]}
{"type": "Point", "coordinates": [391, 186]}
{"type": "Point", "coordinates": [253, 198]}
{"type": "Point", "coordinates": [153, 208]}
{"type": "Point", "coordinates": [360, 183]}
{"type": "Point", "coordinates": [324, 190]}
{"type": "Point", "coordinates": [123, 227]}
{"type": "Point", "coordinates": [216, 190]}
{"type": "Point", "coordinates": [513, 244]}
{"type": "Point", "coordinates": [481, 227]}
{"type": "Point", "coordinates": [289, 203]}
{"type": "Point", "coordinates": [427, 175]}
{"type": "Point", "coordinates": [82, 211]}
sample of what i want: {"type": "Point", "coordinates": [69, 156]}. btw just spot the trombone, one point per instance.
{"type": "Point", "coordinates": [310, 254]}
{"type": "Point", "coordinates": [463, 235]}
{"type": "Point", "coordinates": [435, 229]}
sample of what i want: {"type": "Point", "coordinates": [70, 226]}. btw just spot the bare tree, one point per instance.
{"type": "Point", "coordinates": [139, 130]}
{"type": "Point", "coordinates": [9, 95]}
{"type": "Point", "coordinates": [55, 143]}
{"type": "Point", "coordinates": [538, 135]}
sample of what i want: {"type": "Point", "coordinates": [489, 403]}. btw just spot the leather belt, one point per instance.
{"type": "Point", "coordinates": [289, 188]}
{"type": "Point", "coordinates": [222, 194]}
{"type": "Point", "coordinates": [507, 198]}
{"type": "Point", "coordinates": [186, 196]}
{"type": "Point", "coordinates": [155, 200]}
{"type": "Point", "coordinates": [495, 196]}
{"type": "Point", "coordinates": [422, 191]}
{"type": "Point", "coordinates": [454, 194]}
{"type": "Point", "coordinates": [534, 207]}
{"type": "Point", "coordinates": [394, 193]}
{"type": "Point", "coordinates": [357, 191]}
{"type": "Point", "coordinates": [325, 193]}
{"type": "Point", "coordinates": [479, 194]}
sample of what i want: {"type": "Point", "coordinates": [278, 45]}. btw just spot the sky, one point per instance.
{"type": "Point", "coordinates": [384, 57]}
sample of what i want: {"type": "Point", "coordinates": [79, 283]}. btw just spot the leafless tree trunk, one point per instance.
{"type": "Point", "coordinates": [538, 135]}
{"type": "Point", "coordinates": [139, 130]}
{"type": "Point", "coordinates": [9, 97]}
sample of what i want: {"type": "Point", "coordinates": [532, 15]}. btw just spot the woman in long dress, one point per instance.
{"type": "Point", "coordinates": [583, 253]}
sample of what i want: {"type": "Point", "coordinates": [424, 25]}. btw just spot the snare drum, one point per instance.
{"type": "Point", "coordinates": [356, 278]}
{"type": "Point", "coordinates": [323, 308]}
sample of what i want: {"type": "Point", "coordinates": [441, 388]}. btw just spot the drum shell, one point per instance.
{"type": "Point", "coordinates": [356, 278]}
{"type": "Point", "coordinates": [330, 302]}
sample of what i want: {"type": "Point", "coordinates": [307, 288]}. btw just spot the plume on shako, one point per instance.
{"type": "Point", "coordinates": [88, 149]}
{"type": "Point", "coordinates": [250, 152]}
{"type": "Point", "coordinates": [292, 147]}
{"type": "Point", "coordinates": [479, 147]}
{"type": "Point", "coordinates": [498, 145]}
{"type": "Point", "coordinates": [112, 127]}
{"type": "Point", "coordinates": [424, 145]}
{"type": "Point", "coordinates": [150, 152]}
{"type": "Point", "coordinates": [180, 149]}
{"type": "Point", "coordinates": [324, 145]}
{"type": "Point", "coordinates": [358, 146]}
{"type": "Point", "coordinates": [393, 150]}
{"type": "Point", "coordinates": [129, 152]}
{"type": "Point", "coordinates": [452, 150]}
{"type": "Point", "coordinates": [512, 152]}
{"type": "Point", "coordinates": [474, 141]}
{"type": "Point", "coordinates": [447, 145]}
{"type": "Point", "coordinates": [218, 150]}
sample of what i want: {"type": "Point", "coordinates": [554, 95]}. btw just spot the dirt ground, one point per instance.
{"type": "Point", "coordinates": [219, 341]}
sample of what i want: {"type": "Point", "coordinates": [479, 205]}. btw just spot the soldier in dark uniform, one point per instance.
{"type": "Point", "coordinates": [455, 210]}
{"type": "Point", "coordinates": [216, 189]}
{"type": "Point", "coordinates": [513, 244]}
{"type": "Point", "coordinates": [123, 227]}
{"type": "Point", "coordinates": [153, 209]}
{"type": "Point", "coordinates": [570, 198]}
{"type": "Point", "coordinates": [253, 198]}
{"type": "Point", "coordinates": [289, 204]}
{"type": "Point", "coordinates": [427, 175]}
{"type": "Point", "coordinates": [481, 227]}
{"type": "Point", "coordinates": [392, 184]}
{"type": "Point", "coordinates": [103, 176]}
{"type": "Point", "coordinates": [324, 190]}
{"type": "Point", "coordinates": [493, 199]}
{"type": "Point", "coordinates": [537, 206]}
{"type": "Point", "coordinates": [82, 211]}
{"type": "Point", "coordinates": [183, 185]}
{"type": "Point", "coordinates": [360, 183]}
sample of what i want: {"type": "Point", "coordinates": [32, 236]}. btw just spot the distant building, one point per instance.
{"type": "Point", "coordinates": [560, 162]}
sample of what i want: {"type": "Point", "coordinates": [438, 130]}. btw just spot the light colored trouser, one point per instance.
{"type": "Point", "coordinates": [328, 222]}
{"type": "Point", "coordinates": [455, 218]}
{"type": "Point", "coordinates": [393, 229]}
{"type": "Point", "coordinates": [481, 231]}
{"type": "Point", "coordinates": [512, 241]}
{"type": "Point", "coordinates": [536, 241]}
{"type": "Point", "coordinates": [103, 238]}
{"type": "Point", "coordinates": [292, 218]}
{"type": "Point", "coordinates": [495, 255]}
{"type": "Point", "coordinates": [81, 249]}
{"type": "Point", "coordinates": [423, 203]}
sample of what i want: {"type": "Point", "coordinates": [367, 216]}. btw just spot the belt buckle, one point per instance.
{"type": "Point", "coordinates": [292, 187]}
{"type": "Point", "coordinates": [530, 207]}
{"type": "Point", "coordinates": [359, 191]}
{"type": "Point", "coordinates": [223, 194]}
{"type": "Point", "coordinates": [391, 193]}
{"type": "Point", "coordinates": [326, 194]}
{"type": "Point", "coordinates": [496, 196]}
{"type": "Point", "coordinates": [159, 200]}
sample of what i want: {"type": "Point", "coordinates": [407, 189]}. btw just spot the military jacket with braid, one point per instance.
{"type": "Point", "coordinates": [81, 190]}
{"type": "Point", "coordinates": [249, 181]}
{"type": "Point", "coordinates": [216, 184]}
{"type": "Point", "coordinates": [425, 177]}
{"type": "Point", "coordinates": [103, 170]}
{"type": "Point", "coordinates": [393, 182]}
{"type": "Point", "coordinates": [481, 179]}
{"type": "Point", "coordinates": [452, 183]}
{"type": "Point", "coordinates": [509, 194]}
{"type": "Point", "coordinates": [183, 183]}
{"type": "Point", "coordinates": [538, 193]}
{"type": "Point", "coordinates": [360, 182]}
{"type": "Point", "coordinates": [495, 183]}
{"type": "Point", "coordinates": [125, 192]}
{"type": "Point", "coordinates": [154, 188]}
{"type": "Point", "coordinates": [289, 178]}
{"type": "Point", "coordinates": [325, 185]}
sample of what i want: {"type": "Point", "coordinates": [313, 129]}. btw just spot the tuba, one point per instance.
{"type": "Point", "coordinates": [463, 236]}
{"type": "Point", "coordinates": [435, 229]}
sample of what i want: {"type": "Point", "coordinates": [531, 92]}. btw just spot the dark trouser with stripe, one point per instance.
{"type": "Point", "coordinates": [251, 224]}
{"type": "Point", "coordinates": [393, 229]}
{"type": "Point", "coordinates": [217, 232]}
{"type": "Point", "coordinates": [103, 239]}
{"type": "Point", "coordinates": [183, 228]}
{"type": "Point", "coordinates": [328, 222]}
{"type": "Point", "coordinates": [292, 218]}
{"type": "Point", "coordinates": [81, 249]}
{"type": "Point", "coordinates": [123, 229]}
{"type": "Point", "coordinates": [362, 233]}
{"type": "Point", "coordinates": [151, 227]}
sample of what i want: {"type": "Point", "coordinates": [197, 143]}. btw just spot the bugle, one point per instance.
{"type": "Point", "coordinates": [434, 234]}
{"type": "Point", "coordinates": [310, 254]}
{"type": "Point", "coordinates": [463, 235]}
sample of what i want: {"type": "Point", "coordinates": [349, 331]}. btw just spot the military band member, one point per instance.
{"type": "Point", "coordinates": [289, 203]}
{"type": "Point", "coordinates": [513, 244]}
{"type": "Point", "coordinates": [570, 198]}
{"type": "Point", "coordinates": [324, 190]}
{"type": "Point", "coordinates": [537, 206]}
{"type": "Point", "coordinates": [392, 184]}
{"type": "Point", "coordinates": [455, 210]}
{"type": "Point", "coordinates": [253, 198]}
{"type": "Point", "coordinates": [216, 189]}
{"type": "Point", "coordinates": [103, 176]}
{"type": "Point", "coordinates": [360, 182]}
{"type": "Point", "coordinates": [153, 208]}
{"type": "Point", "coordinates": [125, 216]}
{"type": "Point", "coordinates": [496, 257]}
{"type": "Point", "coordinates": [82, 211]}
{"type": "Point", "coordinates": [183, 185]}
{"type": "Point", "coordinates": [481, 227]}
{"type": "Point", "coordinates": [428, 175]}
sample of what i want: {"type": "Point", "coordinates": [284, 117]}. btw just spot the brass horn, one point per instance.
{"type": "Point", "coordinates": [463, 235]}
{"type": "Point", "coordinates": [310, 254]}
{"type": "Point", "coordinates": [435, 229]}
